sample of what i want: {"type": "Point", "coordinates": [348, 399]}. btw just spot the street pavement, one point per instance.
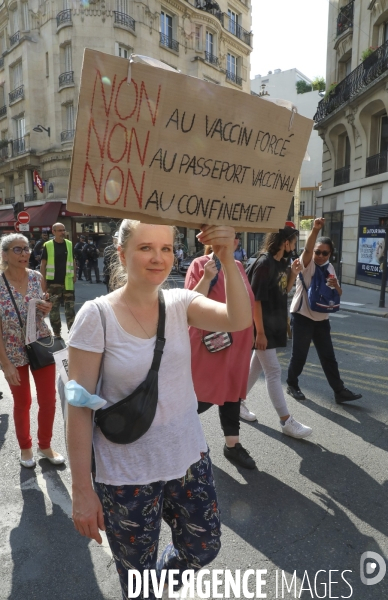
{"type": "Point", "coordinates": [311, 505]}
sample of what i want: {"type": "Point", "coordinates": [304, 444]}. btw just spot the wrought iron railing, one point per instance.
{"type": "Point", "coordinates": [10, 200]}
{"type": "Point", "coordinates": [3, 111]}
{"type": "Point", "coordinates": [341, 176]}
{"type": "Point", "coordinates": [211, 58]}
{"type": "Point", "coordinates": [1, 62]}
{"type": "Point", "coordinates": [67, 136]}
{"type": "Point", "coordinates": [16, 94]}
{"type": "Point", "coordinates": [166, 40]}
{"type": "Point", "coordinates": [64, 17]}
{"type": "Point", "coordinates": [124, 19]}
{"type": "Point", "coordinates": [30, 197]}
{"type": "Point", "coordinates": [211, 7]}
{"type": "Point", "coordinates": [14, 39]}
{"type": "Point", "coordinates": [4, 152]}
{"type": "Point", "coordinates": [18, 146]}
{"type": "Point", "coordinates": [377, 164]}
{"type": "Point", "coordinates": [345, 18]}
{"type": "Point", "coordinates": [66, 78]}
{"type": "Point", "coordinates": [233, 27]}
{"type": "Point", "coordinates": [233, 77]}
{"type": "Point", "coordinates": [370, 69]}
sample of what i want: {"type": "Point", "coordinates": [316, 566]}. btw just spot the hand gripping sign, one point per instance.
{"type": "Point", "coordinates": [158, 146]}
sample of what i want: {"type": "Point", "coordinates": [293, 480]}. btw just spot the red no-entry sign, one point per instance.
{"type": "Point", "coordinates": [17, 226]}
{"type": "Point", "coordinates": [23, 217]}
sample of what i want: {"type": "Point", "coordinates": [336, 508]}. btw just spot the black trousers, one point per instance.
{"type": "Point", "coordinates": [229, 415]}
{"type": "Point", "coordinates": [305, 331]}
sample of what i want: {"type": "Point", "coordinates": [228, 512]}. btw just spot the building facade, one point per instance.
{"type": "Point", "coordinates": [41, 50]}
{"type": "Point", "coordinates": [282, 84]}
{"type": "Point", "coordinates": [352, 120]}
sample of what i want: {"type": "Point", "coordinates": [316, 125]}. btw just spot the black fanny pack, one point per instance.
{"type": "Point", "coordinates": [127, 420]}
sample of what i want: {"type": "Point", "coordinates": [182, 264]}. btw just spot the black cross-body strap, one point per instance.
{"type": "Point", "coordinates": [13, 301]}
{"type": "Point", "coordinates": [160, 339]}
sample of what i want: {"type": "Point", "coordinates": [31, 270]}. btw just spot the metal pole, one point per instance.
{"type": "Point", "coordinates": [384, 275]}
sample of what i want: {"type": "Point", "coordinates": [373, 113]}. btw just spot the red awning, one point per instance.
{"type": "Point", "coordinates": [67, 213]}
{"type": "Point", "coordinates": [40, 216]}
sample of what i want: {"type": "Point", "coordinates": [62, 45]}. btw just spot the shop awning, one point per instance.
{"type": "Point", "coordinates": [67, 213]}
{"type": "Point", "coordinates": [40, 216]}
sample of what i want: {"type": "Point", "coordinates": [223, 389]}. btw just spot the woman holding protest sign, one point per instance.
{"type": "Point", "coordinates": [166, 473]}
{"type": "Point", "coordinates": [309, 325]}
{"type": "Point", "coordinates": [220, 374]}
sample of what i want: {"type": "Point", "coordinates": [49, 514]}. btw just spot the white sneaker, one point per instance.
{"type": "Point", "coordinates": [295, 429]}
{"type": "Point", "coordinates": [245, 413]}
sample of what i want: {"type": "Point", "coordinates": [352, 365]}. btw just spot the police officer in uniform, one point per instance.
{"type": "Point", "coordinates": [58, 270]}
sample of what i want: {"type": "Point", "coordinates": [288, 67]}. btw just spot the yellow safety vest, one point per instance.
{"type": "Point", "coordinates": [50, 267]}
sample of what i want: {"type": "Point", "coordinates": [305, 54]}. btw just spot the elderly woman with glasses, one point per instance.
{"type": "Point", "coordinates": [311, 326]}
{"type": "Point", "coordinates": [25, 285]}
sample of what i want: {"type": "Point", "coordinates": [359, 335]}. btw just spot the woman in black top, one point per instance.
{"type": "Point", "coordinates": [271, 282]}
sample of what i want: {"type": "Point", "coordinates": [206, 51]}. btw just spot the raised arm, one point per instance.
{"type": "Point", "coordinates": [88, 518]}
{"type": "Point", "coordinates": [309, 247]}
{"type": "Point", "coordinates": [236, 314]}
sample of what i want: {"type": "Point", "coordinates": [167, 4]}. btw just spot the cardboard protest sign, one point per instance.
{"type": "Point", "coordinates": [162, 147]}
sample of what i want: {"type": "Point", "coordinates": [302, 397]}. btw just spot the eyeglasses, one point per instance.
{"type": "Point", "coordinates": [20, 249]}
{"type": "Point", "coordinates": [323, 252]}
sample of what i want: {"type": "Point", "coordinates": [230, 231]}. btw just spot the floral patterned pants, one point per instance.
{"type": "Point", "coordinates": [133, 515]}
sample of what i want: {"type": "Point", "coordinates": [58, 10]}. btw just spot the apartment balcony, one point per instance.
{"type": "Point", "coordinates": [66, 79]}
{"type": "Point", "coordinates": [10, 200]}
{"type": "Point", "coordinates": [235, 29]}
{"type": "Point", "coordinates": [210, 6]}
{"type": "Point", "coordinates": [67, 136]}
{"type": "Point", "coordinates": [345, 18]}
{"type": "Point", "coordinates": [230, 76]}
{"type": "Point", "coordinates": [377, 164]}
{"type": "Point", "coordinates": [18, 146]}
{"type": "Point", "coordinates": [17, 94]}
{"type": "Point", "coordinates": [342, 176]}
{"type": "Point", "coordinates": [14, 39]}
{"type": "Point", "coordinates": [64, 18]}
{"type": "Point", "coordinates": [212, 59]}
{"type": "Point", "coordinates": [3, 111]}
{"type": "Point", "coordinates": [368, 71]}
{"type": "Point", "coordinates": [30, 197]}
{"type": "Point", "coordinates": [168, 42]}
{"type": "Point", "coordinates": [124, 20]}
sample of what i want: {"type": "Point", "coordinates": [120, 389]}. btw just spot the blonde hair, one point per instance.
{"type": "Point", "coordinates": [118, 272]}
{"type": "Point", "coordinates": [5, 244]}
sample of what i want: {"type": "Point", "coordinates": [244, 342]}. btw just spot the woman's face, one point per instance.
{"type": "Point", "coordinates": [17, 260]}
{"type": "Point", "coordinates": [320, 258]}
{"type": "Point", "coordinates": [380, 251]}
{"type": "Point", "coordinates": [149, 254]}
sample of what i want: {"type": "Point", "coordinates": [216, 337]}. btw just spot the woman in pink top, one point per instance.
{"type": "Point", "coordinates": [221, 377]}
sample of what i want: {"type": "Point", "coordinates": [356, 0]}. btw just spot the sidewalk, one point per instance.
{"type": "Point", "coordinates": [363, 300]}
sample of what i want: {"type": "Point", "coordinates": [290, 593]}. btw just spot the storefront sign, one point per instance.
{"type": "Point", "coordinates": [371, 243]}
{"type": "Point", "coordinates": [37, 180]}
{"type": "Point", "coordinates": [155, 145]}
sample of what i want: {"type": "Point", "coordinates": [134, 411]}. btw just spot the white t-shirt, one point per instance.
{"type": "Point", "coordinates": [175, 439]}
{"type": "Point", "coordinates": [300, 292]}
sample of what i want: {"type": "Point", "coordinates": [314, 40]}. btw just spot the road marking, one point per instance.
{"type": "Point", "coordinates": [352, 303]}
{"type": "Point", "coordinates": [359, 337]}
{"type": "Point", "coordinates": [337, 316]}
{"type": "Point", "coordinates": [48, 484]}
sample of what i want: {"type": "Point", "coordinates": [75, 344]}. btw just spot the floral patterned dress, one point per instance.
{"type": "Point", "coordinates": [13, 336]}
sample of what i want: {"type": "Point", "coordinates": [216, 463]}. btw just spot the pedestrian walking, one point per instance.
{"type": "Point", "coordinates": [179, 257]}
{"type": "Point", "coordinates": [167, 472]}
{"type": "Point", "coordinates": [239, 253]}
{"type": "Point", "coordinates": [110, 260]}
{"type": "Point", "coordinates": [79, 257]}
{"type": "Point", "coordinates": [311, 326]}
{"type": "Point", "coordinates": [271, 281]}
{"type": "Point", "coordinates": [58, 270]}
{"type": "Point", "coordinates": [91, 255]}
{"type": "Point", "coordinates": [220, 378]}
{"type": "Point", "coordinates": [32, 262]}
{"type": "Point", "coordinates": [19, 285]}
{"type": "Point", "coordinates": [38, 249]}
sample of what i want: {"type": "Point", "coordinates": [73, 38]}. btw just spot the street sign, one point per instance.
{"type": "Point", "coordinates": [24, 227]}
{"type": "Point", "coordinates": [23, 217]}
{"type": "Point", "coordinates": [38, 181]}
{"type": "Point", "coordinates": [17, 225]}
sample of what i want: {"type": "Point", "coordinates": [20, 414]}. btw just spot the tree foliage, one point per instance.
{"type": "Point", "coordinates": [302, 87]}
{"type": "Point", "coordinates": [319, 84]}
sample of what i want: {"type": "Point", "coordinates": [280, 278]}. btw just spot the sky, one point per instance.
{"type": "Point", "coordinates": [289, 34]}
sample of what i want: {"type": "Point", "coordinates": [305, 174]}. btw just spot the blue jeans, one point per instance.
{"type": "Point", "coordinates": [305, 331]}
{"type": "Point", "coordinates": [133, 516]}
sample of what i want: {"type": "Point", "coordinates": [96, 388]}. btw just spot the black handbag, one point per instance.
{"type": "Point", "coordinates": [127, 420]}
{"type": "Point", "coordinates": [40, 352]}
